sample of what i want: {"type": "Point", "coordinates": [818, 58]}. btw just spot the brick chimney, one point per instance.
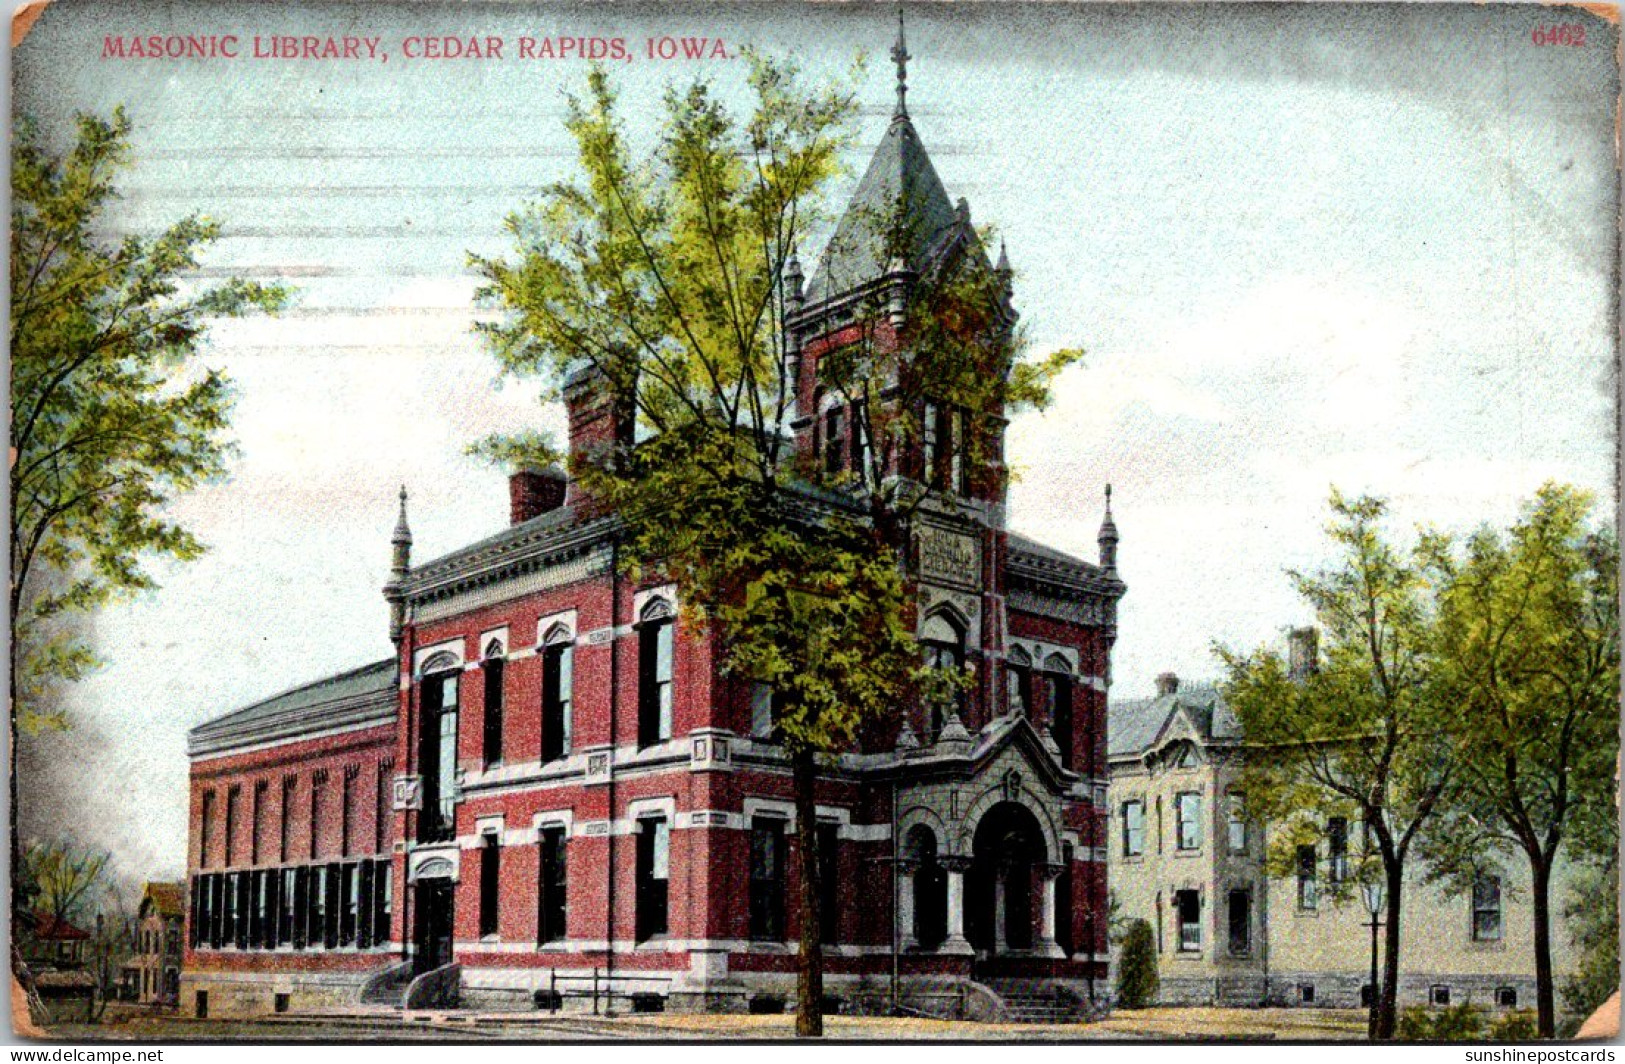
{"type": "Point", "coordinates": [1303, 652]}
{"type": "Point", "coordinates": [532, 492]}
{"type": "Point", "coordinates": [599, 424]}
{"type": "Point", "coordinates": [1167, 684]}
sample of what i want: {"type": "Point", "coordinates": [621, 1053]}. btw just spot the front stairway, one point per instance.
{"type": "Point", "coordinates": [388, 987]}
{"type": "Point", "coordinates": [1038, 1001]}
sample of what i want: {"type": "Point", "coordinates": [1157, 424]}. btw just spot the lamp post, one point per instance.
{"type": "Point", "coordinates": [1371, 889]}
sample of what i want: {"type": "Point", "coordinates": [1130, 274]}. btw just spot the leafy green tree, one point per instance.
{"type": "Point", "coordinates": [111, 414]}
{"type": "Point", "coordinates": [1137, 979]}
{"type": "Point", "coordinates": [1526, 656]}
{"type": "Point", "coordinates": [662, 281]}
{"type": "Point", "coordinates": [1591, 914]}
{"type": "Point", "coordinates": [1357, 734]}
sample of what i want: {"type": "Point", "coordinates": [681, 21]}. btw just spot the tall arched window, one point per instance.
{"type": "Point", "coordinates": [1059, 676]}
{"type": "Point", "coordinates": [942, 643]}
{"type": "Point", "coordinates": [558, 686]}
{"type": "Point", "coordinates": [492, 668]}
{"type": "Point", "coordinates": [656, 632]}
{"type": "Point", "coordinates": [437, 747]}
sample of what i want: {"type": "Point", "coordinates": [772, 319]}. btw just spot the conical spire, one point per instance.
{"type": "Point", "coordinates": [400, 568]}
{"type": "Point", "coordinates": [900, 56]}
{"type": "Point", "coordinates": [403, 531]}
{"type": "Point", "coordinates": [1004, 258]}
{"type": "Point", "coordinates": [1108, 537]}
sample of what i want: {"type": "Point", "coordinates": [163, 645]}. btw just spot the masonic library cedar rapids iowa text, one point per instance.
{"type": "Point", "coordinates": [550, 782]}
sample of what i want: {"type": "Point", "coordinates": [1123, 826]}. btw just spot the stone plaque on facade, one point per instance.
{"type": "Point", "coordinates": [948, 557]}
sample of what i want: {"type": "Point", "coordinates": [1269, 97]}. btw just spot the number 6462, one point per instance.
{"type": "Point", "coordinates": [1569, 36]}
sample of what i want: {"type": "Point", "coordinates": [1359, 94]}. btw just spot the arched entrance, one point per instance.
{"type": "Point", "coordinates": [1007, 853]}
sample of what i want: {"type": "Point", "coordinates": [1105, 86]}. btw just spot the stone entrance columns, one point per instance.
{"type": "Point", "coordinates": [905, 905]}
{"type": "Point", "coordinates": [956, 942]}
{"type": "Point", "coordinates": [1046, 917]}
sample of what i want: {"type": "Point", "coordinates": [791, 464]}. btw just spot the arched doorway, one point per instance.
{"type": "Point", "coordinates": [1003, 885]}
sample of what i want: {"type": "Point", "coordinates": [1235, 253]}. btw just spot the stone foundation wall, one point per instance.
{"type": "Point", "coordinates": [234, 994]}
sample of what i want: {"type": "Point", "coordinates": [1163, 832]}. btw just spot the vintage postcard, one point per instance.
{"type": "Point", "coordinates": [1013, 521]}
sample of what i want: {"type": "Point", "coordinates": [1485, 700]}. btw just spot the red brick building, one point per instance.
{"type": "Point", "coordinates": [551, 785]}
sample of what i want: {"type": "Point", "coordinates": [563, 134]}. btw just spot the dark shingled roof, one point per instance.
{"type": "Point", "coordinates": [900, 174]}
{"type": "Point", "coordinates": [1134, 725]}
{"type": "Point", "coordinates": [360, 696]}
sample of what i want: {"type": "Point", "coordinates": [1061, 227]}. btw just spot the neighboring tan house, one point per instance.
{"type": "Point", "coordinates": [156, 965]}
{"type": "Point", "coordinates": [1184, 859]}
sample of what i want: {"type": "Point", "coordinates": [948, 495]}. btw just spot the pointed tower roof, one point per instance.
{"type": "Point", "coordinates": [900, 201]}
{"type": "Point", "coordinates": [403, 531]}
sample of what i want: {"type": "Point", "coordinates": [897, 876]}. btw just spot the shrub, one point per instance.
{"type": "Point", "coordinates": [1519, 1025]}
{"type": "Point", "coordinates": [1458, 1023]}
{"type": "Point", "coordinates": [1137, 967]}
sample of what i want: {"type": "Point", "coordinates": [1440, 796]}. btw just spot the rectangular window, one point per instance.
{"type": "Point", "coordinates": [381, 907]}
{"type": "Point", "coordinates": [300, 935]}
{"type": "Point", "coordinates": [285, 819]}
{"type": "Point", "coordinates": [1506, 997]}
{"type": "Point", "coordinates": [834, 441]}
{"type": "Point", "coordinates": [205, 825]}
{"type": "Point", "coordinates": [228, 921]}
{"type": "Point", "coordinates": [349, 903]}
{"type": "Point", "coordinates": [1188, 820]}
{"type": "Point", "coordinates": [766, 880]}
{"type": "Point", "coordinates": [1439, 995]}
{"type": "Point", "coordinates": [233, 800]}
{"type": "Point", "coordinates": [1060, 714]}
{"type": "Point", "coordinates": [287, 905]}
{"type": "Point", "coordinates": [331, 908]}
{"type": "Point", "coordinates": [1487, 909]}
{"type": "Point", "coordinates": [558, 683]}
{"type": "Point", "coordinates": [1188, 911]}
{"type": "Point", "coordinates": [438, 758]}
{"type": "Point", "coordinates": [490, 884]}
{"type": "Point", "coordinates": [763, 711]}
{"type": "Point", "coordinates": [551, 892]}
{"type": "Point", "coordinates": [958, 467]}
{"type": "Point", "coordinates": [829, 882]}
{"type": "Point", "coordinates": [1158, 911]}
{"type": "Point", "coordinates": [1133, 828]}
{"type": "Point", "coordinates": [492, 671]}
{"type": "Point", "coordinates": [245, 907]}
{"type": "Point", "coordinates": [364, 904]}
{"type": "Point", "coordinates": [1308, 889]}
{"type": "Point", "coordinates": [1241, 921]}
{"type": "Point", "coordinates": [1337, 849]}
{"type": "Point", "coordinates": [653, 872]}
{"type": "Point", "coordinates": [256, 909]}
{"type": "Point", "coordinates": [1237, 809]}
{"type": "Point", "coordinates": [655, 686]}
{"type": "Point", "coordinates": [316, 906]}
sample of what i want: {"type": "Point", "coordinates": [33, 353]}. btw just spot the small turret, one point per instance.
{"type": "Point", "coordinates": [1108, 537]}
{"type": "Point", "coordinates": [400, 567]}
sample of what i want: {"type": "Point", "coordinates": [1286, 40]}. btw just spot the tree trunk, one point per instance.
{"type": "Point", "coordinates": [810, 961]}
{"type": "Point", "coordinates": [1541, 888]}
{"type": "Point", "coordinates": [1388, 1012]}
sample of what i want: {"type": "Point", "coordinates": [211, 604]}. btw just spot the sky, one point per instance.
{"type": "Point", "coordinates": [1302, 246]}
